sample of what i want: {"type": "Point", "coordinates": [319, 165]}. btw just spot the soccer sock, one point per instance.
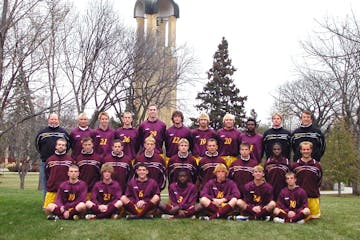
{"type": "Point", "coordinates": [249, 210]}
{"type": "Point", "coordinates": [57, 211]}
{"type": "Point", "coordinates": [130, 207]}
{"type": "Point", "coordinates": [298, 217]}
{"type": "Point", "coordinates": [149, 206]}
{"type": "Point", "coordinates": [282, 214]}
{"type": "Point", "coordinates": [72, 212]}
{"type": "Point", "coordinates": [111, 209]}
{"type": "Point", "coordinates": [212, 208]}
{"type": "Point", "coordinates": [95, 209]}
{"type": "Point", "coordinates": [191, 211]}
{"type": "Point", "coordinates": [222, 211]}
{"type": "Point", "coordinates": [263, 213]}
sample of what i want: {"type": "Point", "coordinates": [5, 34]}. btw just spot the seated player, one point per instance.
{"type": "Point", "coordinates": [142, 194]}
{"type": "Point", "coordinates": [155, 164]}
{"type": "Point", "coordinates": [70, 198]}
{"type": "Point", "coordinates": [257, 200]}
{"type": "Point", "coordinates": [182, 161]}
{"type": "Point", "coordinates": [105, 197]}
{"type": "Point", "coordinates": [275, 169]}
{"type": "Point", "coordinates": [219, 195]}
{"type": "Point", "coordinates": [241, 170]}
{"type": "Point", "coordinates": [291, 203]}
{"type": "Point", "coordinates": [182, 198]}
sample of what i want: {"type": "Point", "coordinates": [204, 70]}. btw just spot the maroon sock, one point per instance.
{"type": "Point", "coordinates": [225, 210]}
{"type": "Point", "coordinates": [148, 207]}
{"type": "Point", "coordinates": [190, 211]}
{"type": "Point", "coordinates": [111, 209]}
{"type": "Point", "coordinates": [263, 213]}
{"type": "Point", "coordinates": [130, 207]}
{"type": "Point", "coordinates": [72, 213]}
{"type": "Point", "coordinates": [57, 211]}
{"type": "Point", "coordinates": [212, 208]}
{"type": "Point", "coordinates": [298, 217]}
{"type": "Point", "coordinates": [249, 210]}
{"type": "Point", "coordinates": [95, 209]}
{"type": "Point", "coordinates": [282, 214]}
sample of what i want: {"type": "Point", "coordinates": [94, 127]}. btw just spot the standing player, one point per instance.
{"type": "Point", "coordinates": [45, 144]}
{"type": "Point", "coordinates": [276, 134]}
{"type": "Point", "coordinates": [229, 139]}
{"type": "Point", "coordinates": [120, 162]}
{"type": "Point", "coordinates": [182, 198]}
{"type": "Point", "coordinates": [219, 195]}
{"type": "Point", "coordinates": [174, 133]}
{"type": "Point", "coordinates": [182, 161]}
{"type": "Point", "coordinates": [257, 200]}
{"type": "Point", "coordinates": [89, 163]}
{"type": "Point", "coordinates": [77, 134]}
{"type": "Point", "coordinates": [291, 203]}
{"type": "Point", "coordinates": [154, 127]}
{"type": "Point", "coordinates": [105, 197]}
{"type": "Point", "coordinates": [275, 169]}
{"type": "Point", "coordinates": [241, 171]}
{"type": "Point", "coordinates": [308, 132]}
{"type": "Point", "coordinates": [142, 194]}
{"type": "Point", "coordinates": [70, 198]}
{"type": "Point", "coordinates": [103, 136]}
{"type": "Point", "coordinates": [209, 162]}
{"type": "Point", "coordinates": [254, 139]}
{"type": "Point", "coordinates": [56, 169]}
{"type": "Point", "coordinates": [200, 136]}
{"type": "Point", "coordinates": [309, 175]}
{"type": "Point", "coordinates": [128, 136]}
{"type": "Point", "coordinates": [154, 162]}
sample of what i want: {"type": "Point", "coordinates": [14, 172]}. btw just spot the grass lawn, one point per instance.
{"type": "Point", "coordinates": [21, 218]}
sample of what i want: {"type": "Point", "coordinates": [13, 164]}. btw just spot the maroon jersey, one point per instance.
{"type": "Point", "coordinates": [184, 197]}
{"type": "Point", "coordinates": [137, 190]}
{"type": "Point", "coordinates": [129, 138]}
{"type": "Point", "coordinates": [207, 165]}
{"type": "Point", "coordinates": [258, 195]}
{"type": "Point", "coordinates": [275, 170]}
{"type": "Point", "coordinates": [76, 135]}
{"type": "Point", "coordinates": [155, 165]}
{"type": "Point", "coordinates": [89, 166]}
{"type": "Point", "coordinates": [214, 189]}
{"type": "Point", "coordinates": [229, 142]}
{"type": "Point", "coordinates": [179, 163]}
{"type": "Point", "coordinates": [103, 140]}
{"type": "Point", "coordinates": [122, 168]}
{"type": "Point", "coordinates": [71, 194]}
{"type": "Point", "coordinates": [156, 129]}
{"type": "Point", "coordinates": [309, 176]}
{"type": "Point", "coordinates": [105, 194]}
{"type": "Point", "coordinates": [292, 199]}
{"type": "Point", "coordinates": [255, 142]}
{"type": "Point", "coordinates": [56, 169]}
{"type": "Point", "coordinates": [241, 172]}
{"type": "Point", "coordinates": [199, 139]}
{"type": "Point", "coordinates": [172, 136]}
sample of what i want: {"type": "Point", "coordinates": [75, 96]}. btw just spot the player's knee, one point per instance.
{"type": "Point", "coordinates": [241, 204]}
{"type": "Point", "coordinates": [125, 200]}
{"type": "Point", "coordinates": [118, 204]}
{"type": "Point", "coordinates": [89, 204]}
{"type": "Point", "coordinates": [81, 207]}
{"type": "Point", "coordinates": [204, 201]}
{"type": "Point", "coordinates": [306, 211]}
{"type": "Point", "coordinates": [277, 211]}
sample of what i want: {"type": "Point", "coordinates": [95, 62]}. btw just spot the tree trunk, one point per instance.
{"type": "Point", "coordinates": [339, 188]}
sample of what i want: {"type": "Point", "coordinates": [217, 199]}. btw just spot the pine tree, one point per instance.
{"type": "Point", "coordinates": [340, 161]}
{"type": "Point", "coordinates": [220, 95]}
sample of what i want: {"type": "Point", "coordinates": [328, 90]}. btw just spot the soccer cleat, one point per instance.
{"type": "Point", "coordinates": [193, 217]}
{"type": "Point", "coordinates": [167, 216]}
{"type": "Point", "coordinates": [267, 218]}
{"type": "Point", "coordinates": [278, 220]}
{"type": "Point", "coordinates": [131, 217]}
{"type": "Point", "coordinates": [90, 216]}
{"type": "Point", "coordinates": [76, 217]}
{"type": "Point", "coordinates": [115, 216]}
{"type": "Point", "coordinates": [52, 217]}
{"type": "Point", "coordinates": [148, 216]}
{"type": "Point", "coordinates": [231, 218]}
{"type": "Point", "coordinates": [204, 218]}
{"type": "Point", "coordinates": [302, 221]}
{"type": "Point", "coordinates": [241, 218]}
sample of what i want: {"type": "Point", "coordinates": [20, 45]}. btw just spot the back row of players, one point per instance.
{"type": "Point", "coordinates": [90, 149]}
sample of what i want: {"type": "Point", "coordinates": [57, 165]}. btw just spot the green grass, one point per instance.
{"type": "Point", "coordinates": [21, 218]}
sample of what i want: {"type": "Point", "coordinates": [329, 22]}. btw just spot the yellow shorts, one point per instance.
{"type": "Point", "coordinates": [166, 160]}
{"type": "Point", "coordinates": [197, 160]}
{"type": "Point", "coordinates": [49, 198]}
{"type": "Point", "coordinates": [88, 196]}
{"type": "Point", "coordinates": [229, 160]}
{"type": "Point", "coordinates": [314, 206]}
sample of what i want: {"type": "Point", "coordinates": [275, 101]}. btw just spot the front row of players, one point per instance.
{"type": "Point", "coordinates": [219, 198]}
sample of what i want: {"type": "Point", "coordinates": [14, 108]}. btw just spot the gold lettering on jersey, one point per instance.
{"type": "Point", "coordinates": [107, 196]}
{"type": "Point", "coordinates": [141, 194]}
{"type": "Point", "coordinates": [202, 141]}
{"type": "Point", "coordinates": [220, 195]}
{"type": "Point", "coordinates": [71, 197]}
{"type": "Point", "coordinates": [228, 141]}
{"type": "Point", "coordinates": [256, 198]}
{"type": "Point", "coordinates": [176, 140]}
{"type": "Point", "coordinates": [153, 133]}
{"type": "Point", "coordinates": [103, 141]}
{"type": "Point", "coordinates": [292, 203]}
{"type": "Point", "coordinates": [180, 199]}
{"type": "Point", "coordinates": [126, 139]}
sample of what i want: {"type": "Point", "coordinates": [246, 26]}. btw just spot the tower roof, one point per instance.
{"type": "Point", "coordinates": [165, 8]}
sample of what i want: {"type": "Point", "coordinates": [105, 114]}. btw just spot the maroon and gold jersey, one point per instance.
{"type": "Point", "coordinates": [105, 194]}
{"type": "Point", "coordinates": [275, 170]}
{"type": "Point", "coordinates": [214, 189]}
{"type": "Point", "coordinates": [199, 140]}
{"type": "Point", "coordinates": [122, 168]}
{"type": "Point", "coordinates": [172, 137]}
{"type": "Point", "coordinates": [156, 129]}
{"type": "Point", "coordinates": [103, 140]}
{"type": "Point", "coordinates": [71, 194]}
{"type": "Point", "coordinates": [292, 199]}
{"type": "Point", "coordinates": [259, 195]}
{"type": "Point", "coordinates": [309, 176]}
{"type": "Point", "coordinates": [255, 142]}
{"type": "Point", "coordinates": [137, 190]}
{"type": "Point", "coordinates": [179, 163]}
{"type": "Point", "coordinates": [89, 166]}
{"type": "Point", "coordinates": [206, 168]}
{"type": "Point", "coordinates": [76, 135]}
{"type": "Point", "coordinates": [56, 169]}
{"type": "Point", "coordinates": [229, 142]}
{"type": "Point", "coordinates": [241, 172]}
{"type": "Point", "coordinates": [184, 197]}
{"type": "Point", "coordinates": [130, 140]}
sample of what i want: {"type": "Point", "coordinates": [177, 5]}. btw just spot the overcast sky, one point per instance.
{"type": "Point", "coordinates": [263, 38]}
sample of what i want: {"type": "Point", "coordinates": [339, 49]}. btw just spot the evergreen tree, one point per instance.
{"type": "Point", "coordinates": [220, 95]}
{"type": "Point", "coordinates": [340, 161]}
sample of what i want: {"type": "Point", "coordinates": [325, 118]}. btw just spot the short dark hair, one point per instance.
{"type": "Point", "coordinates": [177, 114]}
{"type": "Point", "coordinates": [251, 120]}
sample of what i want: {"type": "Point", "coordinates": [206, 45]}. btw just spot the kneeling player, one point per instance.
{"type": "Point", "coordinates": [105, 197]}
{"type": "Point", "coordinates": [219, 195]}
{"type": "Point", "coordinates": [257, 201]}
{"type": "Point", "coordinates": [142, 194]}
{"type": "Point", "coordinates": [292, 202]}
{"type": "Point", "coordinates": [182, 198]}
{"type": "Point", "coordinates": [70, 197]}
